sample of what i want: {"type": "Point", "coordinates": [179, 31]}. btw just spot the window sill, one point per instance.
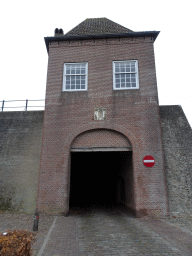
{"type": "Point", "coordinates": [120, 89]}
{"type": "Point", "coordinates": [74, 90]}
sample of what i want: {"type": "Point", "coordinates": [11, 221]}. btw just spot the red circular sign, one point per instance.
{"type": "Point", "coordinates": [148, 161]}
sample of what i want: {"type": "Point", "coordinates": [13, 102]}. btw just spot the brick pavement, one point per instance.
{"type": "Point", "coordinates": [25, 222]}
{"type": "Point", "coordinates": [99, 231]}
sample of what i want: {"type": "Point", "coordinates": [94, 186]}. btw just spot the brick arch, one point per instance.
{"type": "Point", "coordinates": [107, 126]}
{"type": "Point", "coordinates": [101, 138]}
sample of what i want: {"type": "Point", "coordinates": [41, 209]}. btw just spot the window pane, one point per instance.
{"type": "Point", "coordinates": [82, 78]}
{"type": "Point", "coordinates": [82, 86]}
{"type": "Point", "coordinates": [78, 81]}
{"type": "Point", "coordinates": [127, 67]}
{"type": "Point", "coordinates": [83, 69]}
{"type": "Point", "coordinates": [117, 85]}
{"type": "Point", "coordinates": [132, 67]}
{"type": "Point", "coordinates": [78, 70]}
{"type": "Point", "coordinates": [133, 84]}
{"type": "Point", "coordinates": [133, 80]}
{"type": "Point", "coordinates": [116, 67]}
{"type": "Point", "coordinates": [128, 77]}
{"type": "Point", "coordinates": [122, 80]}
{"type": "Point", "coordinates": [132, 75]}
{"type": "Point", "coordinates": [67, 78]}
{"type": "Point", "coordinates": [122, 67]}
{"type": "Point", "coordinates": [67, 69]}
{"type": "Point", "coordinates": [73, 70]}
{"type": "Point", "coordinates": [72, 87]}
{"type": "Point", "coordinates": [117, 81]}
{"type": "Point", "coordinates": [67, 87]}
{"type": "Point", "coordinates": [128, 85]}
{"type": "Point", "coordinates": [117, 78]}
{"type": "Point", "coordinates": [67, 82]}
{"type": "Point", "coordinates": [77, 86]}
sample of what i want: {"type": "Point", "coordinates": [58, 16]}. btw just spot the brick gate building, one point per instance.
{"type": "Point", "coordinates": [101, 119]}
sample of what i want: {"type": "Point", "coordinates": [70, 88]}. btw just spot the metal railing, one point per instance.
{"type": "Point", "coordinates": [6, 104]}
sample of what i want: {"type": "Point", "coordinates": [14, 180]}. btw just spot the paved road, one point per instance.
{"type": "Point", "coordinates": [112, 232]}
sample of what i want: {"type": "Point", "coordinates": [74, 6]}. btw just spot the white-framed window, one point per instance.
{"type": "Point", "coordinates": [125, 75]}
{"type": "Point", "coordinates": [75, 76]}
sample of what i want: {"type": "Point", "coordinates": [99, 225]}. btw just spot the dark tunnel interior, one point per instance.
{"type": "Point", "coordinates": [100, 179]}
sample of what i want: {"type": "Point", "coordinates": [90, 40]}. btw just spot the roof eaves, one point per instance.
{"type": "Point", "coordinates": [48, 40]}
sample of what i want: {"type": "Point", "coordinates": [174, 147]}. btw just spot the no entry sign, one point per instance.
{"type": "Point", "coordinates": [148, 161]}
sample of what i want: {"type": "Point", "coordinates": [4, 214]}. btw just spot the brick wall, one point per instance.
{"type": "Point", "coordinates": [101, 138]}
{"type": "Point", "coordinates": [20, 149]}
{"type": "Point", "coordinates": [133, 113]}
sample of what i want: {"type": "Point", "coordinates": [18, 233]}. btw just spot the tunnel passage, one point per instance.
{"type": "Point", "coordinates": [101, 179]}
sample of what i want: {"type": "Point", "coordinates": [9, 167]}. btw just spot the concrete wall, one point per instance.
{"type": "Point", "coordinates": [177, 147]}
{"type": "Point", "coordinates": [20, 149]}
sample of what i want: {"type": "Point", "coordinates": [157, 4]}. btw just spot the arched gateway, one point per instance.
{"type": "Point", "coordinates": [101, 171]}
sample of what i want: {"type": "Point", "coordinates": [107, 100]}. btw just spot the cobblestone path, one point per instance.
{"type": "Point", "coordinates": [117, 234]}
{"type": "Point", "coordinates": [97, 232]}
{"type": "Point", "coordinates": [108, 232]}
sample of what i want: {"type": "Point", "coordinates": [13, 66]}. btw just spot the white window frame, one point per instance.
{"type": "Point", "coordinates": [65, 75]}
{"type": "Point", "coordinates": [136, 73]}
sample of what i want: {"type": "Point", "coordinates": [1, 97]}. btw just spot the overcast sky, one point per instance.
{"type": "Point", "coordinates": [24, 58]}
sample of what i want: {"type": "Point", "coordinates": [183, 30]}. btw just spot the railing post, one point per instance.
{"type": "Point", "coordinates": [36, 221]}
{"type": "Point", "coordinates": [3, 104]}
{"type": "Point", "coordinates": [26, 105]}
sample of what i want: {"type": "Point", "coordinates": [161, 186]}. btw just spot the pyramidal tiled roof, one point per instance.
{"type": "Point", "coordinates": [97, 26]}
{"type": "Point", "coordinates": [96, 29]}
